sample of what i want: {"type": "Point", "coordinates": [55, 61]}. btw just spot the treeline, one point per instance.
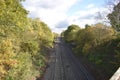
{"type": "Point", "coordinates": [99, 44]}
{"type": "Point", "coordinates": [24, 43]}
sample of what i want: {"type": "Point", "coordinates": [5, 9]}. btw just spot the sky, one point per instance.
{"type": "Point", "coordinates": [59, 14]}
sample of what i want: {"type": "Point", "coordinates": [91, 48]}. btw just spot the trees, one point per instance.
{"type": "Point", "coordinates": [87, 26]}
{"type": "Point", "coordinates": [45, 35]}
{"type": "Point", "coordinates": [97, 43]}
{"type": "Point", "coordinates": [13, 18]}
{"type": "Point", "coordinates": [70, 33]}
{"type": "Point", "coordinates": [102, 33]}
{"type": "Point", "coordinates": [22, 55]}
{"type": "Point", "coordinates": [114, 17]}
{"type": "Point", "coordinates": [11, 12]}
{"type": "Point", "coordinates": [93, 36]}
{"type": "Point", "coordinates": [84, 40]}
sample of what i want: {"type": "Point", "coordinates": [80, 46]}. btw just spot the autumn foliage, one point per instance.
{"type": "Point", "coordinates": [23, 42]}
{"type": "Point", "coordinates": [99, 44]}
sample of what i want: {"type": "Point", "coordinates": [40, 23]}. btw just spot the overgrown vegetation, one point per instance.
{"type": "Point", "coordinates": [100, 44]}
{"type": "Point", "coordinates": [23, 43]}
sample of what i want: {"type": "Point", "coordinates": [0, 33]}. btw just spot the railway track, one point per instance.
{"type": "Point", "coordinates": [64, 65]}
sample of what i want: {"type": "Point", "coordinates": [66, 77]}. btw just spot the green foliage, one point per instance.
{"type": "Point", "coordinates": [55, 35]}
{"type": "Point", "coordinates": [30, 46]}
{"type": "Point", "coordinates": [102, 33]}
{"type": "Point", "coordinates": [44, 33]}
{"type": "Point", "coordinates": [117, 55]}
{"type": "Point", "coordinates": [87, 26]}
{"type": "Point", "coordinates": [114, 17]}
{"type": "Point", "coordinates": [23, 70]}
{"type": "Point", "coordinates": [99, 44]}
{"type": "Point", "coordinates": [11, 12]}
{"type": "Point", "coordinates": [85, 37]}
{"type": "Point", "coordinates": [22, 56]}
{"type": "Point", "coordinates": [70, 33]}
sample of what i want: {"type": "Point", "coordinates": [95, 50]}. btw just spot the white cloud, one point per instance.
{"type": "Point", "coordinates": [84, 17]}
{"type": "Point", "coordinates": [54, 13]}
{"type": "Point", "coordinates": [59, 30]}
{"type": "Point", "coordinates": [50, 11]}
